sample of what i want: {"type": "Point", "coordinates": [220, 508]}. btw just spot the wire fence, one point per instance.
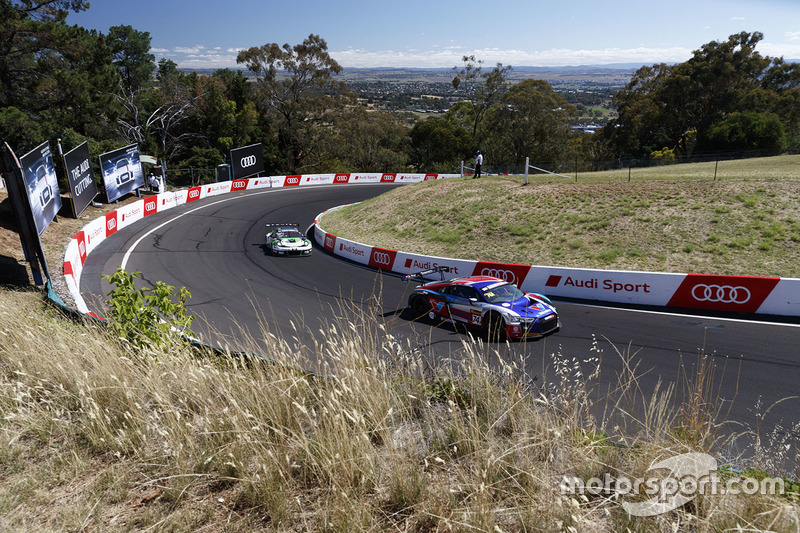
{"type": "Point", "coordinates": [709, 166]}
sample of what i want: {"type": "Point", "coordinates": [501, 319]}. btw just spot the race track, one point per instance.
{"type": "Point", "coordinates": [215, 248]}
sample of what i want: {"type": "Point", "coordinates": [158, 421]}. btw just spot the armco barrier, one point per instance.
{"type": "Point", "coordinates": [101, 228]}
{"type": "Point", "coordinates": [738, 294]}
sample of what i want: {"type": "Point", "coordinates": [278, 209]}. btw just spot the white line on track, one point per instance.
{"type": "Point", "coordinates": [684, 315]}
{"type": "Point", "coordinates": [129, 251]}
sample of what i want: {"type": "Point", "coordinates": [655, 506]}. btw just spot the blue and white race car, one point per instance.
{"type": "Point", "coordinates": [499, 308]}
{"type": "Point", "coordinates": [286, 239]}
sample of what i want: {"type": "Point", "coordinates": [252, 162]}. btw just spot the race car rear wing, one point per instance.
{"type": "Point", "coordinates": [420, 276]}
{"type": "Point", "coordinates": [275, 224]}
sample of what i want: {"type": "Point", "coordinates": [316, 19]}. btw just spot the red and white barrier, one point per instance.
{"type": "Point", "coordinates": [103, 227]}
{"type": "Point", "coordinates": [741, 294]}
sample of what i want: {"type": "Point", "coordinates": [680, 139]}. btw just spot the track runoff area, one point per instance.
{"type": "Point", "coordinates": [215, 246]}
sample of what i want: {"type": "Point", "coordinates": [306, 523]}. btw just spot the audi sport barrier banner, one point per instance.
{"type": "Point", "coordinates": [741, 294]}
{"type": "Point", "coordinates": [41, 185]}
{"type": "Point", "coordinates": [82, 187]}
{"type": "Point", "coordinates": [247, 161]}
{"type": "Point", "coordinates": [773, 296]}
{"type": "Point", "coordinates": [122, 172]}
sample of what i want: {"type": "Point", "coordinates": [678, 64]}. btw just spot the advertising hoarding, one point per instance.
{"type": "Point", "coordinates": [41, 184]}
{"type": "Point", "coordinates": [79, 175]}
{"type": "Point", "coordinates": [122, 171]}
{"type": "Point", "coordinates": [247, 161]}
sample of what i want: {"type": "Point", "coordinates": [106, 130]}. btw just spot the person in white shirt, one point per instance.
{"type": "Point", "coordinates": [478, 163]}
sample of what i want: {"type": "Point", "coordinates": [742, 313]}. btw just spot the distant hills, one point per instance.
{"type": "Point", "coordinates": [617, 74]}
{"type": "Point", "coordinates": [609, 74]}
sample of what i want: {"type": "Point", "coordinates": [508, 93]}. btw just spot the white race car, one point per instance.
{"type": "Point", "coordinates": [286, 239]}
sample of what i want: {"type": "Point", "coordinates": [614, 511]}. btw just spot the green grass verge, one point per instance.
{"type": "Point", "coordinates": [736, 217]}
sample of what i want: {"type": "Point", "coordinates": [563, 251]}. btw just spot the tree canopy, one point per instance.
{"type": "Point", "coordinates": [299, 100]}
{"type": "Point", "coordinates": [679, 106]}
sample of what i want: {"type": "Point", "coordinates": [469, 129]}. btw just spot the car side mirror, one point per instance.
{"type": "Point", "coordinates": [473, 300]}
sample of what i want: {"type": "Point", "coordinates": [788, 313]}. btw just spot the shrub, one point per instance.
{"type": "Point", "coordinates": [147, 316]}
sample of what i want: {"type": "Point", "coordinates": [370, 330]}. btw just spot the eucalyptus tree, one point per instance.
{"type": "Point", "coordinates": [438, 144]}
{"type": "Point", "coordinates": [533, 121]}
{"type": "Point", "coordinates": [130, 51]}
{"type": "Point", "coordinates": [677, 106]}
{"type": "Point", "coordinates": [482, 90]}
{"type": "Point", "coordinates": [296, 89]}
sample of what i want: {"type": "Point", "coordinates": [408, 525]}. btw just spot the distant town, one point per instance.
{"type": "Point", "coordinates": [431, 91]}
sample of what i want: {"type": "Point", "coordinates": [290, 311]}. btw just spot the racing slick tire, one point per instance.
{"type": "Point", "coordinates": [420, 307]}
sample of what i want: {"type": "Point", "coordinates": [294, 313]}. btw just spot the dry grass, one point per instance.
{"type": "Point", "coordinates": [95, 436]}
{"type": "Point", "coordinates": [666, 219]}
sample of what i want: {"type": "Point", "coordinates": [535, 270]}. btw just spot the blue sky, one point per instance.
{"type": "Point", "coordinates": [437, 33]}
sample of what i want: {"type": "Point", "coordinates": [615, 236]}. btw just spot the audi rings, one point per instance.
{"type": "Point", "coordinates": [726, 294]}
{"type": "Point", "coordinates": [506, 275]}
{"type": "Point", "coordinates": [382, 258]}
{"type": "Point", "coordinates": [248, 161]}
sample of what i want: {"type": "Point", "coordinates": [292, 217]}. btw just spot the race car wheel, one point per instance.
{"type": "Point", "coordinates": [495, 327]}
{"type": "Point", "coordinates": [420, 306]}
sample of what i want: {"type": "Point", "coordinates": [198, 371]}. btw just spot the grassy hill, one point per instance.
{"type": "Point", "coordinates": [675, 218]}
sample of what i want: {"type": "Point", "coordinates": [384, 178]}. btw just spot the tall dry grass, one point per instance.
{"type": "Point", "coordinates": [97, 436]}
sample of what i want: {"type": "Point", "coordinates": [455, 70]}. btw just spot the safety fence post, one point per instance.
{"type": "Point", "coordinates": [527, 162]}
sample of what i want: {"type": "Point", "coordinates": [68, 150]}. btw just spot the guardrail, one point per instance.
{"type": "Point", "coordinates": [737, 294]}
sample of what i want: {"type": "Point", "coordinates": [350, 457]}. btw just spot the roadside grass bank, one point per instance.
{"type": "Point", "coordinates": [96, 434]}
{"type": "Point", "coordinates": [665, 219]}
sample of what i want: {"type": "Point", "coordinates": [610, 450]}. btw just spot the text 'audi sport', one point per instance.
{"type": "Point", "coordinates": [496, 306]}
{"type": "Point", "coordinates": [286, 239]}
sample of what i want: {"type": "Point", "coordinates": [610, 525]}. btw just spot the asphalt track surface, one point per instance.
{"type": "Point", "coordinates": [215, 247]}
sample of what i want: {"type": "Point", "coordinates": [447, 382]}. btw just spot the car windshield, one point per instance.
{"type": "Point", "coordinates": [289, 234]}
{"type": "Point", "coordinates": [501, 293]}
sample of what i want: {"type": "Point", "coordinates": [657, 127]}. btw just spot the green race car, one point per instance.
{"type": "Point", "coordinates": [287, 239]}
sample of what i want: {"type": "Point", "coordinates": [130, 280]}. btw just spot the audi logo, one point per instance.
{"type": "Point", "coordinates": [239, 184]}
{"type": "Point", "coordinates": [248, 161]}
{"type": "Point", "coordinates": [341, 178]}
{"type": "Point", "coordinates": [292, 181]}
{"type": "Point", "coordinates": [112, 223]}
{"type": "Point", "coordinates": [82, 249]}
{"type": "Point", "coordinates": [193, 194]}
{"type": "Point", "coordinates": [329, 242]}
{"type": "Point", "coordinates": [382, 258]}
{"type": "Point", "coordinates": [505, 275]}
{"type": "Point", "coordinates": [725, 294]}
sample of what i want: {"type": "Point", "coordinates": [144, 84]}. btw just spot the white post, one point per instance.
{"type": "Point", "coordinates": [462, 168]}
{"type": "Point", "coordinates": [527, 162]}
